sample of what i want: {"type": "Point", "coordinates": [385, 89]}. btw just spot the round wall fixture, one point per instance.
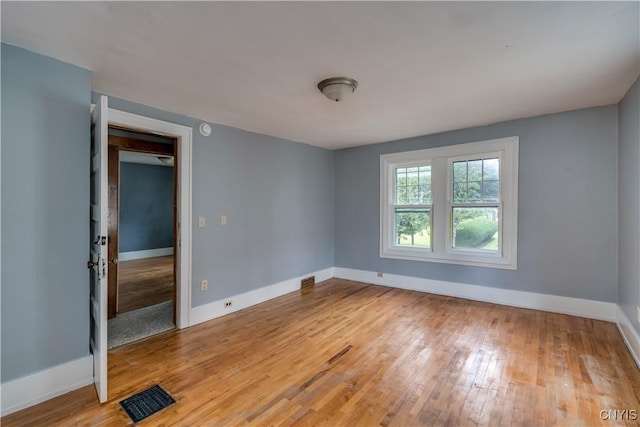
{"type": "Point", "coordinates": [205, 129]}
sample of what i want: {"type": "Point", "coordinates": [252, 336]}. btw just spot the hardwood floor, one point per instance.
{"type": "Point", "coordinates": [144, 282]}
{"type": "Point", "coordinates": [350, 354]}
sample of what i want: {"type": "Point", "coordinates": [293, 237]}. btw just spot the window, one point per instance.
{"type": "Point", "coordinates": [412, 206]}
{"type": "Point", "coordinates": [455, 204]}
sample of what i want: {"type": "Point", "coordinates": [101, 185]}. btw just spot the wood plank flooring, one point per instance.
{"type": "Point", "coordinates": [350, 354]}
{"type": "Point", "coordinates": [144, 282]}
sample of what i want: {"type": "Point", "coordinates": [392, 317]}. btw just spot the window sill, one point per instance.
{"type": "Point", "coordinates": [449, 258]}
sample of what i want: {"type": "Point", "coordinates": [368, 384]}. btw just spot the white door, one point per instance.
{"type": "Point", "coordinates": [98, 246]}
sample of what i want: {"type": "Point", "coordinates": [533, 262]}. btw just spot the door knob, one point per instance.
{"type": "Point", "coordinates": [113, 261]}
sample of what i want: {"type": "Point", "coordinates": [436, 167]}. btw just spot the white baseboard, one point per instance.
{"type": "Point", "coordinates": [553, 303]}
{"type": "Point", "coordinates": [212, 310]}
{"type": "Point", "coordinates": [147, 253]}
{"type": "Point", "coordinates": [43, 385]}
{"type": "Point", "coordinates": [630, 336]}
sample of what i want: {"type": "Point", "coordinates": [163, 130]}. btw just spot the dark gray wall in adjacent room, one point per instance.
{"type": "Point", "coordinates": [629, 199]}
{"type": "Point", "coordinates": [146, 207]}
{"type": "Point", "coordinates": [567, 213]}
{"type": "Point", "coordinates": [45, 212]}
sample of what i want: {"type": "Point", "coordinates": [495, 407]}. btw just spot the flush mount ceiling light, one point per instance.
{"type": "Point", "coordinates": [337, 88]}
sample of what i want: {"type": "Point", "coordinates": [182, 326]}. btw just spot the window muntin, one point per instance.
{"type": "Point", "coordinates": [412, 207]}
{"type": "Point", "coordinates": [471, 191]}
{"type": "Point", "coordinates": [476, 180]}
{"type": "Point", "coordinates": [413, 185]}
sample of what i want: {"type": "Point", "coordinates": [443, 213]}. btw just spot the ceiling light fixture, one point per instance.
{"type": "Point", "coordinates": [337, 88]}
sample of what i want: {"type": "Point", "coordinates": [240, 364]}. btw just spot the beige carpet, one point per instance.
{"type": "Point", "coordinates": [138, 324]}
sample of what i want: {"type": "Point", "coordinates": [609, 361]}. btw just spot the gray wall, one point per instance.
{"type": "Point", "coordinates": [45, 212]}
{"type": "Point", "coordinates": [146, 207]}
{"type": "Point", "coordinates": [277, 195]}
{"type": "Point", "coordinates": [567, 214]}
{"type": "Point", "coordinates": [629, 203]}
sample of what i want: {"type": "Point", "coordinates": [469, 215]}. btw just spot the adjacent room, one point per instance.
{"type": "Point", "coordinates": [320, 213]}
{"type": "Point", "coordinates": [141, 301]}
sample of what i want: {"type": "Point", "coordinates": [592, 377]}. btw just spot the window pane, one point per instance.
{"type": "Point", "coordinates": [476, 228]}
{"type": "Point", "coordinates": [401, 196]}
{"type": "Point", "coordinates": [414, 195]}
{"type": "Point", "coordinates": [401, 177]}
{"type": "Point", "coordinates": [491, 169]}
{"type": "Point", "coordinates": [490, 191]}
{"type": "Point", "coordinates": [425, 177]}
{"type": "Point", "coordinates": [459, 171]}
{"type": "Point", "coordinates": [413, 227]}
{"type": "Point", "coordinates": [474, 191]}
{"type": "Point", "coordinates": [413, 185]}
{"type": "Point", "coordinates": [460, 192]}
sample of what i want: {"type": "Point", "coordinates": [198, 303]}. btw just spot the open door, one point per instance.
{"type": "Point", "coordinates": [98, 247]}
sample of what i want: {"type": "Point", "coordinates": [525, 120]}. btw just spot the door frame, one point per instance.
{"type": "Point", "coordinates": [184, 145]}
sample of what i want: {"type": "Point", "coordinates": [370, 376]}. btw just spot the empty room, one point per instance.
{"type": "Point", "coordinates": [320, 213]}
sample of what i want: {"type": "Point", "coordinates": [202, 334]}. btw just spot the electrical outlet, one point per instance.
{"type": "Point", "coordinates": [380, 274]}
{"type": "Point", "coordinates": [227, 303]}
{"type": "Point", "coordinates": [204, 285]}
{"type": "Point", "coordinates": [202, 222]}
{"type": "Point", "coordinates": [638, 314]}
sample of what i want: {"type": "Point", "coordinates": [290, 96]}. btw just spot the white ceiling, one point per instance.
{"type": "Point", "coordinates": [423, 67]}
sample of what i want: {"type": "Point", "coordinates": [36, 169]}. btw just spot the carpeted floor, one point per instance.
{"type": "Point", "coordinates": [138, 324]}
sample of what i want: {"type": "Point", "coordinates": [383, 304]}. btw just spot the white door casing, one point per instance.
{"type": "Point", "coordinates": [183, 135]}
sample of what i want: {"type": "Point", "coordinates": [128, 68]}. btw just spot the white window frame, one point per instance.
{"type": "Point", "coordinates": [441, 160]}
{"type": "Point", "coordinates": [403, 248]}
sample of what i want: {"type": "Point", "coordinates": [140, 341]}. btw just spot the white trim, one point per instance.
{"type": "Point", "coordinates": [556, 304]}
{"type": "Point", "coordinates": [184, 136]}
{"type": "Point", "coordinates": [440, 160]}
{"type": "Point", "coordinates": [146, 253]}
{"type": "Point", "coordinates": [630, 336]}
{"type": "Point", "coordinates": [212, 310]}
{"type": "Point", "coordinates": [46, 384]}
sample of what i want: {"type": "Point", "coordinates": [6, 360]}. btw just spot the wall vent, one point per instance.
{"type": "Point", "coordinates": [307, 282]}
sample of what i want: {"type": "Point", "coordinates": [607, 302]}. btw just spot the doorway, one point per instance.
{"type": "Point", "coordinates": [101, 118]}
{"type": "Point", "coordinates": [142, 235]}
